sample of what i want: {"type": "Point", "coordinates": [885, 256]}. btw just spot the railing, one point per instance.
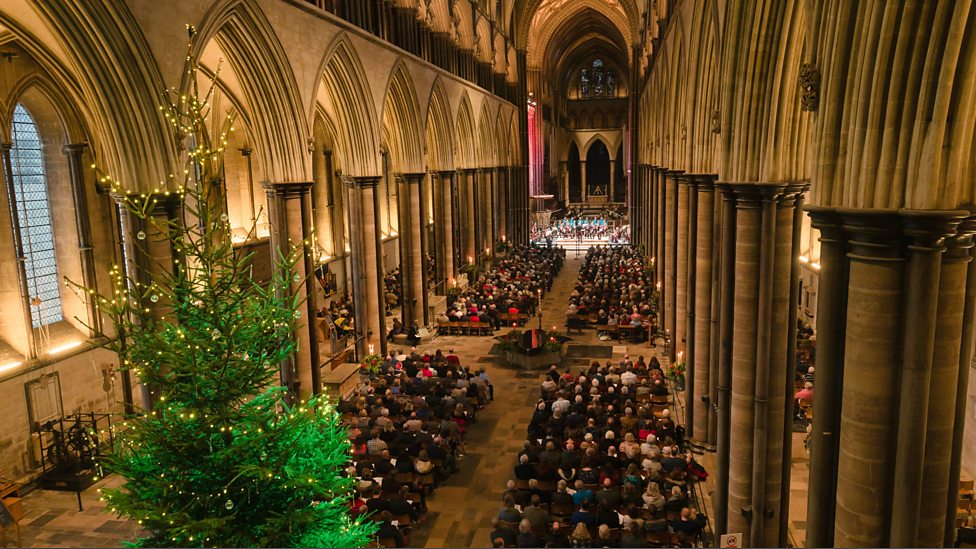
{"type": "Point", "coordinates": [399, 26]}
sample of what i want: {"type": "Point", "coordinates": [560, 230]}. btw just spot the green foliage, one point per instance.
{"type": "Point", "coordinates": [371, 363]}
{"type": "Point", "coordinates": [226, 457]}
{"type": "Point", "coordinates": [510, 341]}
{"type": "Point", "coordinates": [552, 344]}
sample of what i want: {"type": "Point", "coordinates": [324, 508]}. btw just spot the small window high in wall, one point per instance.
{"type": "Point", "coordinates": [33, 211]}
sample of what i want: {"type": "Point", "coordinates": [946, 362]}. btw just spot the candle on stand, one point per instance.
{"type": "Point", "coordinates": [370, 348]}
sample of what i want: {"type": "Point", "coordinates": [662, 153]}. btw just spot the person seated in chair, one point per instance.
{"type": "Point", "coordinates": [396, 330]}
{"type": "Point", "coordinates": [413, 336]}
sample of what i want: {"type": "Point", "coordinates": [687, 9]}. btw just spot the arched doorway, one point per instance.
{"type": "Point", "coordinates": [597, 170]}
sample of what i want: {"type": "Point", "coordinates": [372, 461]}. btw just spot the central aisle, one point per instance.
{"type": "Point", "coordinates": [461, 510]}
{"type": "Point", "coordinates": [462, 507]}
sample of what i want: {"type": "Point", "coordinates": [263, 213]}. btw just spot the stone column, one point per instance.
{"type": "Point", "coordinates": [583, 190]}
{"type": "Point", "coordinates": [424, 190]}
{"type": "Point", "coordinates": [445, 223]}
{"type": "Point", "coordinates": [703, 309]}
{"type": "Point", "coordinates": [924, 272]}
{"type": "Point", "coordinates": [291, 222]}
{"type": "Point", "coordinates": [941, 414]}
{"type": "Point", "coordinates": [411, 252]}
{"type": "Point", "coordinates": [469, 187]}
{"type": "Point", "coordinates": [30, 350]}
{"type": "Point", "coordinates": [613, 176]}
{"type": "Point", "coordinates": [681, 267]}
{"type": "Point", "coordinates": [86, 251]}
{"type": "Point", "coordinates": [651, 215]}
{"type": "Point", "coordinates": [477, 207]}
{"type": "Point", "coordinates": [633, 213]}
{"type": "Point", "coordinates": [831, 320]}
{"type": "Point", "coordinates": [418, 231]}
{"type": "Point", "coordinates": [763, 250]}
{"type": "Point", "coordinates": [147, 251]}
{"type": "Point", "coordinates": [691, 269]}
{"type": "Point", "coordinates": [323, 204]}
{"type": "Point", "coordinates": [366, 263]}
{"type": "Point", "coordinates": [871, 362]}
{"type": "Point", "coordinates": [671, 251]}
{"type": "Point", "coordinates": [660, 230]}
{"type": "Point", "coordinates": [748, 262]}
{"type": "Point", "coordinates": [494, 207]}
{"type": "Point", "coordinates": [961, 384]}
{"type": "Point", "coordinates": [501, 192]}
{"type": "Point", "coordinates": [724, 378]}
{"type": "Point", "coordinates": [893, 321]}
{"type": "Point", "coordinates": [715, 312]}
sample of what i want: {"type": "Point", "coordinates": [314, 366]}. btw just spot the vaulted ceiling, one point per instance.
{"type": "Point", "coordinates": [560, 35]}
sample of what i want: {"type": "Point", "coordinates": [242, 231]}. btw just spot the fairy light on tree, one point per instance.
{"type": "Point", "coordinates": [222, 459]}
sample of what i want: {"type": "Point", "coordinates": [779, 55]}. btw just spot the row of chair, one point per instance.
{"type": "Point", "coordinates": [465, 328]}
{"type": "Point", "coordinates": [615, 331]}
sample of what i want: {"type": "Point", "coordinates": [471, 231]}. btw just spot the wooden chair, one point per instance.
{"type": "Point", "coordinates": [562, 510]}
{"type": "Point", "coordinates": [966, 488]}
{"type": "Point", "coordinates": [403, 521]}
{"type": "Point", "coordinates": [413, 497]}
{"type": "Point", "coordinates": [513, 526]}
{"type": "Point", "coordinates": [547, 485]}
{"type": "Point", "coordinates": [963, 507]}
{"type": "Point", "coordinates": [405, 478]}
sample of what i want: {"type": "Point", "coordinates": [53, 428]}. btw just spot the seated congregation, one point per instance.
{"type": "Point", "coordinates": [507, 294]}
{"type": "Point", "coordinates": [604, 465]}
{"type": "Point", "coordinates": [407, 426]}
{"type": "Point", "coordinates": [614, 294]}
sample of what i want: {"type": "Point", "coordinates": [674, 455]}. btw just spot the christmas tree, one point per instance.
{"type": "Point", "coordinates": [225, 457]}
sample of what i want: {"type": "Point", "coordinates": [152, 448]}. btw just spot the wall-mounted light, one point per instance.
{"type": "Point", "coordinates": [63, 348]}
{"type": "Point", "coordinates": [10, 366]}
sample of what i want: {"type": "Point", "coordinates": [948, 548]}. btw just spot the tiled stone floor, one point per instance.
{"type": "Point", "coordinates": [460, 511]}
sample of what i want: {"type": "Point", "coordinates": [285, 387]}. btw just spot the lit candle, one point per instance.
{"type": "Point", "coordinates": [370, 348]}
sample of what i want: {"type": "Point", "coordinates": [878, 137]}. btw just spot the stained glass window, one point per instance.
{"type": "Point", "coordinates": [34, 214]}
{"type": "Point", "coordinates": [597, 81]}
{"type": "Point", "coordinates": [598, 89]}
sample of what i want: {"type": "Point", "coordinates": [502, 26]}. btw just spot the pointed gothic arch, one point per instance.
{"type": "Point", "coordinates": [439, 131]}
{"type": "Point", "coordinates": [465, 154]}
{"type": "Point", "coordinates": [344, 95]}
{"type": "Point", "coordinates": [267, 85]}
{"type": "Point", "coordinates": [401, 122]}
